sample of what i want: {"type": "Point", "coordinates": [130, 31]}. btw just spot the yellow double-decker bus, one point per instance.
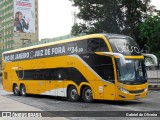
{"type": "Point", "coordinates": [97, 66]}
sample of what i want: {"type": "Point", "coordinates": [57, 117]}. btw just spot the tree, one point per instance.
{"type": "Point", "coordinates": [78, 28]}
{"type": "Point", "coordinates": [112, 16]}
{"type": "Point", "coordinates": [98, 16]}
{"type": "Point", "coordinates": [134, 13]}
{"type": "Point", "coordinates": [150, 33]}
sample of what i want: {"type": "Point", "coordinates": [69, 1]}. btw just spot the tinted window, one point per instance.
{"type": "Point", "coordinates": [102, 65]}
{"type": "Point", "coordinates": [125, 46]}
{"type": "Point", "coordinates": [76, 47]}
{"type": "Point", "coordinates": [51, 74]}
{"type": "Point", "coordinates": [96, 45]}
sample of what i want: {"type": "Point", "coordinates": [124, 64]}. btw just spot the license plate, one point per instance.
{"type": "Point", "coordinates": [137, 96]}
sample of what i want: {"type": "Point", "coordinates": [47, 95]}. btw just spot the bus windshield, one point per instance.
{"type": "Point", "coordinates": [125, 46]}
{"type": "Point", "coordinates": [133, 72]}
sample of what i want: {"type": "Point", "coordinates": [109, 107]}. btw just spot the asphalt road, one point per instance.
{"type": "Point", "coordinates": [48, 103]}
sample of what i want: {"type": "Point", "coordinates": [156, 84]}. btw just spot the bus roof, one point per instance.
{"type": "Point", "coordinates": [111, 35]}
{"type": "Point", "coordinates": [107, 35]}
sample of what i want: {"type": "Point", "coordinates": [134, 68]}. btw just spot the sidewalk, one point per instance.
{"type": "Point", "coordinates": [12, 105]}
{"type": "Point", "coordinates": [7, 104]}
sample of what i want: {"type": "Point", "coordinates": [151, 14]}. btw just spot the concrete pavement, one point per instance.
{"type": "Point", "coordinates": [12, 105]}
{"type": "Point", "coordinates": [7, 104]}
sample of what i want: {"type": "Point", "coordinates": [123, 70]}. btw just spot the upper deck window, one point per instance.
{"type": "Point", "coordinates": [96, 45]}
{"type": "Point", "coordinates": [90, 45]}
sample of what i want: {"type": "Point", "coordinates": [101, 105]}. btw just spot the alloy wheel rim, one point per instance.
{"type": "Point", "coordinates": [23, 91]}
{"type": "Point", "coordinates": [88, 94]}
{"type": "Point", "coordinates": [73, 93]}
{"type": "Point", "coordinates": [16, 90]}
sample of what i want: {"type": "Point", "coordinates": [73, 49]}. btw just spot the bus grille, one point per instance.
{"type": "Point", "coordinates": [137, 91]}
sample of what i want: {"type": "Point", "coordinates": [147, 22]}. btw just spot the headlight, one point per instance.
{"type": "Point", "coordinates": [146, 89]}
{"type": "Point", "coordinates": [123, 90]}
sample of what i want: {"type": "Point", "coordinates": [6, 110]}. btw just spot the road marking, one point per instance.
{"type": "Point", "coordinates": [126, 107]}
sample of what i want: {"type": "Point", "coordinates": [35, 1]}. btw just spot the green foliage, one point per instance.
{"type": "Point", "coordinates": [78, 28]}
{"type": "Point", "coordinates": [111, 16]}
{"type": "Point", "coordinates": [150, 33]}
{"type": "Point", "coordinates": [98, 16]}
{"type": "Point", "coordinates": [135, 18]}
{"type": "Point", "coordinates": [135, 11]}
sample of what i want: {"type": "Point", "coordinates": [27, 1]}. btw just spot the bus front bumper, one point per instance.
{"type": "Point", "coordinates": [131, 95]}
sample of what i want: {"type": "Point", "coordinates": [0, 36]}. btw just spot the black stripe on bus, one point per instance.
{"type": "Point", "coordinates": [52, 74]}
{"type": "Point", "coordinates": [102, 65]}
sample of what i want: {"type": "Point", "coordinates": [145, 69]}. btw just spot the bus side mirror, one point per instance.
{"type": "Point", "coordinates": [121, 57]}
{"type": "Point", "coordinates": [153, 58]}
{"type": "Point", "coordinates": [158, 63]}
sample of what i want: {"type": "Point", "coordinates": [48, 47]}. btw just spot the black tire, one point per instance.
{"type": "Point", "coordinates": [73, 94]}
{"type": "Point", "coordinates": [23, 90]}
{"type": "Point", "coordinates": [16, 90]}
{"type": "Point", "coordinates": [87, 94]}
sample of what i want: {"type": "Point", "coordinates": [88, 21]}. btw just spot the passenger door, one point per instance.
{"type": "Point", "coordinates": [60, 76]}
{"type": "Point", "coordinates": [51, 87]}
{"type": "Point", "coordinates": [55, 85]}
{"type": "Point", "coordinates": [109, 83]}
{"type": "Point", "coordinates": [60, 91]}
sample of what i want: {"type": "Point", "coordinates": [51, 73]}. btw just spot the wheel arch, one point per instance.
{"type": "Point", "coordinates": [83, 85]}
{"type": "Point", "coordinates": [13, 86]}
{"type": "Point", "coordinates": [69, 85]}
{"type": "Point", "coordinates": [80, 87]}
{"type": "Point", "coordinates": [21, 84]}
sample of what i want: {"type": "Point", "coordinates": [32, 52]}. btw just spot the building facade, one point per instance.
{"type": "Point", "coordinates": [18, 23]}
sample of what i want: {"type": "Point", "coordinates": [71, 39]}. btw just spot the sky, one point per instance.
{"type": "Point", "coordinates": [56, 17]}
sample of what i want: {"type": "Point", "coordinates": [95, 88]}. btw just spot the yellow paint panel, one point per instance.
{"type": "Point", "coordinates": [101, 89]}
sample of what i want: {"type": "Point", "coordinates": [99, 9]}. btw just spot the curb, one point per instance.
{"type": "Point", "coordinates": [154, 87]}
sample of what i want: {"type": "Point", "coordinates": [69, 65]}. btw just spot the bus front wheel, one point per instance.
{"type": "Point", "coordinates": [15, 89]}
{"type": "Point", "coordinates": [73, 94]}
{"type": "Point", "coordinates": [23, 90]}
{"type": "Point", "coordinates": [87, 94]}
